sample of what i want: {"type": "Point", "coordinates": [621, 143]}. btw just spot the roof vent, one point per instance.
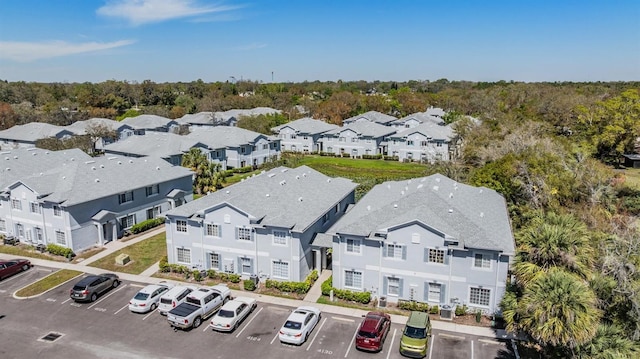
{"type": "Point", "coordinates": [158, 168]}
{"type": "Point", "coordinates": [480, 190]}
{"type": "Point", "coordinates": [389, 185]}
{"type": "Point", "coordinates": [402, 193]}
{"type": "Point", "coordinates": [481, 214]}
{"type": "Point", "coordinates": [7, 158]}
{"type": "Point", "coordinates": [299, 199]}
{"type": "Point", "coordinates": [64, 177]}
{"type": "Point", "coordinates": [97, 180]}
{"type": "Point", "coordinates": [435, 188]}
{"type": "Point", "coordinates": [112, 158]}
{"type": "Point", "coordinates": [304, 174]}
{"type": "Point", "coordinates": [119, 162]}
{"type": "Point", "coordinates": [450, 210]}
{"type": "Point", "coordinates": [8, 169]}
{"type": "Point", "coordinates": [227, 192]}
{"type": "Point", "coordinates": [368, 208]}
{"type": "Point", "coordinates": [395, 205]}
{"type": "Point", "coordinates": [420, 186]}
{"type": "Point", "coordinates": [437, 179]}
{"type": "Point", "coordinates": [72, 159]}
{"type": "Point", "coordinates": [15, 157]}
{"type": "Point", "coordinates": [283, 182]}
{"type": "Point", "coordinates": [297, 177]}
{"type": "Point", "coordinates": [451, 195]}
{"type": "Point", "coordinates": [284, 170]}
{"type": "Point", "coordinates": [267, 195]}
{"type": "Point", "coordinates": [101, 166]}
{"type": "Point", "coordinates": [88, 162]}
{"type": "Point", "coordinates": [409, 182]}
{"type": "Point", "coordinates": [329, 180]}
{"type": "Point", "coordinates": [130, 161]}
{"type": "Point", "coordinates": [34, 153]}
{"type": "Point", "coordinates": [271, 175]}
{"type": "Point", "coordinates": [93, 168]}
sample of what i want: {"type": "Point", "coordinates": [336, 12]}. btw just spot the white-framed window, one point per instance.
{"type": "Point", "coordinates": [479, 296]}
{"type": "Point", "coordinates": [337, 208]}
{"type": "Point", "coordinates": [424, 143]}
{"type": "Point", "coordinates": [34, 207]}
{"type": "Point", "coordinates": [330, 149]}
{"type": "Point", "coordinates": [38, 232]}
{"type": "Point", "coordinates": [342, 139]}
{"type": "Point", "coordinates": [394, 250]}
{"type": "Point", "coordinates": [435, 291]}
{"type": "Point", "coordinates": [353, 245]}
{"type": "Point", "coordinates": [213, 230]}
{"type": "Point", "coordinates": [183, 255]}
{"type": "Point", "coordinates": [57, 211]}
{"type": "Point", "coordinates": [265, 146]}
{"type": "Point", "coordinates": [181, 225]}
{"type": "Point", "coordinates": [214, 260]}
{"type": "Point", "coordinates": [245, 265]}
{"type": "Point", "coordinates": [280, 238]}
{"type": "Point", "coordinates": [20, 230]}
{"type": "Point", "coordinates": [294, 136]}
{"type": "Point", "coordinates": [3, 225]}
{"type": "Point", "coordinates": [125, 197]}
{"type": "Point", "coordinates": [153, 212]}
{"type": "Point", "coordinates": [128, 221]}
{"type": "Point", "coordinates": [481, 260]}
{"type": "Point", "coordinates": [280, 270]}
{"type": "Point", "coordinates": [16, 204]}
{"type": "Point", "coordinates": [152, 190]}
{"type": "Point", "coordinates": [409, 142]}
{"type": "Point", "coordinates": [243, 233]}
{"type": "Point", "coordinates": [393, 286]}
{"type": "Point", "coordinates": [61, 238]}
{"type": "Point", "coordinates": [436, 255]}
{"type": "Point", "coordinates": [353, 279]}
{"type": "Point", "coordinates": [438, 144]}
{"type": "Point", "coordinates": [354, 139]}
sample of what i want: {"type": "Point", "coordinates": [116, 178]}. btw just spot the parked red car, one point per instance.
{"type": "Point", "coordinates": [13, 266]}
{"type": "Point", "coordinates": [373, 331]}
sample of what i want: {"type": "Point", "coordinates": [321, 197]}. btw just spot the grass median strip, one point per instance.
{"type": "Point", "coordinates": [143, 255]}
{"type": "Point", "coordinates": [51, 281]}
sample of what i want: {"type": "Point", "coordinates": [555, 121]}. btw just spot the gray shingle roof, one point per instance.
{"type": "Point", "coordinates": [200, 118]}
{"type": "Point", "coordinates": [475, 216]}
{"type": "Point", "coordinates": [373, 116]}
{"type": "Point", "coordinates": [421, 117]}
{"type": "Point", "coordinates": [30, 132]}
{"type": "Point", "coordinates": [307, 125]}
{"type": "Point", "coordinates": [155, 144]}
{"type": "Point", "coordinates": [225, 136]}
{"type": "Point", "coordinates": [365, 129]}
{"type": "Point", "coordinates": [429, 129]}
{"type": "Point", "coordinates": [225, 115]}
{"type": "Point", "coordinates": [148, 122]}
{"type": "Point", "coordinates": [72, 177]}
{"type": "Point", "coordinates": [80, 127]}
{"type": "Point", "coordinates": [285, 197]}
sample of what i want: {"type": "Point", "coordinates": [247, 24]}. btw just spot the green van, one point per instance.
{"type": "Point", "coordinates": [415, 337]}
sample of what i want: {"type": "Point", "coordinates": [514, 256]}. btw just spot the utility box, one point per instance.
{"type": "Point", "coordinates": [123, 259]}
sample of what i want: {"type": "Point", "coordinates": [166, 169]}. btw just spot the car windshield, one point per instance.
{"type": "Point", "coordinates": [141, 296]}
{"type": "Point", "coordinates": [364, 334]}
{"type": "Point", "coordinates": [225, 313]}
{"type": "Point", "coordinates": [292, 325]}
{"type": "Point", "coordinates": [413, 332]}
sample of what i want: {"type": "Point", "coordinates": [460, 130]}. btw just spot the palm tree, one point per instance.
{"type": "Point", "coordinates": [558, 310]}
{"type": "Point", "coordinates": [553, 240]}
{"type": "Point", "coordinates": [208, 175]}
{"type": "Point", "coordinates": [610, 342]}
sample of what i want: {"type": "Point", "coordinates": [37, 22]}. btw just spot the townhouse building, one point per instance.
{"type": "Point", "coordinates": [356, 139]}
{"type": "Point", "coordinates": [168, 146]}
{"type": "Point", "coordinates": [426, 142]}
{"type": "Point", "coordinates": [25, 136]}
{"type": "Point", "coordinates": [302, 135]}
{"type": "Point", "coordinates": [428, 239]}
{"type": "Point", "coordinates": [370, 116]}
{"type": "Point", "coordinates": [144, 123]}
{"type": "Point", "coordinates": [77, 201]}
{"type": "Point", "coordinates": [263, 226]}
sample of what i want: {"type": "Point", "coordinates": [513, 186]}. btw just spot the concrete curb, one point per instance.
{"type": "Point", "coordinates": [48, 290]}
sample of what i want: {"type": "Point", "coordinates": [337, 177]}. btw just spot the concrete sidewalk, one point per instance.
{"type": "Point", "coordinates": [310, 299]}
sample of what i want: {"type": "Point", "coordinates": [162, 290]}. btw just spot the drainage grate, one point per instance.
{"type": "Point", "coordinates": [51, 337]}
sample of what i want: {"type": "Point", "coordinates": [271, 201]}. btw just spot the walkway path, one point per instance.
{"type": "Point", "coordinates": [310, 299]}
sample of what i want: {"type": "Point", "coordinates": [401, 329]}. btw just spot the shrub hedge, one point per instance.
{"type": "Point", "coordinates": [148, 224]}
{"type": "Point", "coordinates": [60, 250]}
{"type": "Point", "coordinates": [413, 305]}
{"type": "Point", "coordinates": [360, 297]}
{"type": "Point", "coordinates": [249, 285]}
{"type": "Point", "coordinates": [294, 287]}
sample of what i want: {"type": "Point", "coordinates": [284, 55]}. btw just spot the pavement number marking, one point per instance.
{"type": "Point", "coordinates": [3, 291]}
{"type": "Point", "coordinates": [51, 299]}
{"type": "Point", "coordinates": [325, 351]}
{"type": "Point", "coordinates": [74, 304]}
{"type": "Point", "coordinates": [253, 339]}
{"type": "Point", "coordinates": [100, 309]}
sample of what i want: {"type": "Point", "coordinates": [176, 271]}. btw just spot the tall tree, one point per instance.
{"type": "Point", "coordinates": [209, 177]}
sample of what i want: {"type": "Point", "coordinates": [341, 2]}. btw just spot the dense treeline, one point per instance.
{"type": "Point", "coordinates": [552, 149]}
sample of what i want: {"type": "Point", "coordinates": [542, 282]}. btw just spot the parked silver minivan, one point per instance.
{"type": "Point", "coordinates": [173, 298]}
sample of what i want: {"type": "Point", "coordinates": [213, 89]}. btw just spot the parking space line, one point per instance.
{"type": "Point", "coordinates": [433, 342]}
{"type": "Point", "coordinates": [274, 338]}
{"type": "Point", "coordinates": [343, 319]}
{"type": "Point", "coordinates": [107, 296]}
{"type": "Point", "coordinates": [249, 322]}
{"type": "Point", "coordinates": [136, 285]}
{"type": "Point", "coordinates": [151, 312]}
{"type": "Point", "coordinates": [208, 326]}
{"type": "Point", "coordinates": [351, 342]}
{"type": "Point", "coordinates": [393, 338]}
{"type": "Point", "coordinates": [472, 349]}
{"type": "Point", "coordinates": [317, 332]}
{"type": "Point", "coordinates": [68, 299]}
{"type": "Point", "coordinates": [488, 341]}
{"type": "Point", "coordinates": [118, 311]}
{"type": "Point", "coordinates": [15, 276]}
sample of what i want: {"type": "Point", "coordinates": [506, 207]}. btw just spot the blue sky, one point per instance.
{"type": "Point", "coordinates": [328, 40]}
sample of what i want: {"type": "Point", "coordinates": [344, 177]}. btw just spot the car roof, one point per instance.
{"type": "Point", "coordinates": [88, 279]}
{"type": "Point", "coordinates": [150, 288]}
{"type": "Point", "coordinates": [418, 319]}
{"type": "Point", "coordinates": [178, 289]}
{"type": "Point", "coordinates": [370, 322]}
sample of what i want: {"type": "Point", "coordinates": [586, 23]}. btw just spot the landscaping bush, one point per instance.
{"type": "Point", "coordinates": [360, 297]}
{"type": "Point", "coordinates": [461, 310]}
{"type": "Point", "coordinates": [346, 155]}
{"type": "Point", "coordinates": [197, 275]}
{"type": "Point", "coordinates": [312, 277]}
{"type": "Point", "coordinates": [288, 287]}
{"type": "Point", "coordinates": [211, 273]}
{"type": "Point", "coordinates": [413, 305]}
{"type": "Point", "coordinates": [249, 285]}
{"type": "Point", "coordinates": [326, 286]}
{"type": "Point", "coordinates": [164, 265]}
{"type": "Point", "coordinates": [60, 251]}
{"type": "Point", "coordinates": [145, 225]}
{"type": "Point", "coordinates": [390, 158]}
{"type": "Point", "coordinates": [434, 310]}
{"type": "Point", "coordinates": [245, 169]}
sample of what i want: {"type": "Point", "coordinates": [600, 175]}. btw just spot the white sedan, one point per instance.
{"type": "Point", "coordinates": [299, 324]}
{"type": "Point", "coordinates": [232, 313]}
{"type": "Point", "coordinates": [147, 298]}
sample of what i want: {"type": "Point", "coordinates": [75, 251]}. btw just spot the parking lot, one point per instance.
{"type": "Point", "coordinates": [106, 328]}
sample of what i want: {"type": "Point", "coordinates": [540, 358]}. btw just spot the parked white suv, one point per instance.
{"type": "Point", "coordinates": [173, 298]}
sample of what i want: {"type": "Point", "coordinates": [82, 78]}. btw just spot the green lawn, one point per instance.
{"type": "Point", "coordinates": [48, 282]}
{"type": "Point", "coordinates": [24, 250]}
{"type": "Point", "coordinates": [143, 255]}
{"type": "Point", "coordinates": [361, 168]}
{"type": "Point", "coordinates": [633, 177]}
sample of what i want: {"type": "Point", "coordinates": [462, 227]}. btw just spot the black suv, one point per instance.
{"type": "Point", "coordinates": [90, 287]}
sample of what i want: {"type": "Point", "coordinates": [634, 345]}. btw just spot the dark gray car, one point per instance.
{"type": "Point", "coordinates": [90, 287]}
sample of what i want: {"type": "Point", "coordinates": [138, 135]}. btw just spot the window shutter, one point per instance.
{"type": "Point", "coordinates": [426, 255]}
{"type": "Point", "coordinates": [404, 252]}
{"type": "Point", "coordinates": [446, 256]}
{"type": "Point", "coordinates": [443, 293]}
{"type": "Point", "coordinates": [239, 270]}
{"type": "Point", "coordinates": [384, 249]}
{"type": "Point", "coordinates": [400, 288]}
{"type": "Point", "coordinates": [385, 284]}
{"type": "Point", "coordinates": [426, 292]}
{"type": "Point", "coordinates": [251, 266]}
{"type": "Point", "coordinates": [237, 236]}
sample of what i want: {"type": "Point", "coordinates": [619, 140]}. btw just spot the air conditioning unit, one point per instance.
{"type": "Point", "coordinates": [447, 312]}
